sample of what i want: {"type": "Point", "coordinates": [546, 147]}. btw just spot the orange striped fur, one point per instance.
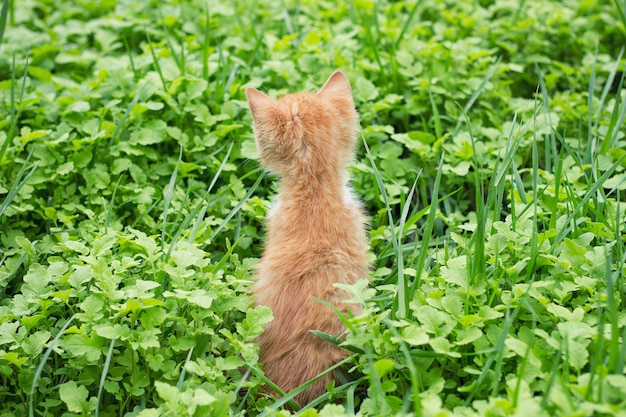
{"type": "Point", "coordinates": [315, 231]}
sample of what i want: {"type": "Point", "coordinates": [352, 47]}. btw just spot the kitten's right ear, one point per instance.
{"type": "Point", "coordinates": [337, 83]}
{"type": "Point", "coordinates": [258, 102]}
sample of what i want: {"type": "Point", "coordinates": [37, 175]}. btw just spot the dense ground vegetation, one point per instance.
{"type": "Point", "coordinates": [492, 166]}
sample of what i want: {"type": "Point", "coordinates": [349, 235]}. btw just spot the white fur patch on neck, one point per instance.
{"type": "Point", "coordinates": [274, 208]}
{"type": "Point", "coordinates": [349, 199]}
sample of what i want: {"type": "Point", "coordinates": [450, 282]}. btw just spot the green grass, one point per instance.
{"type": "Point", "coordinates": [492, 167]}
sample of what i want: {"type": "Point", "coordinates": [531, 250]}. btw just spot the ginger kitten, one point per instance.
{"type": "Point", "coordinates": [315, 231]}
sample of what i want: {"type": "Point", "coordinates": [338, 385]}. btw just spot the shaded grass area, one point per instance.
{"type": "Point", "coordinates": [492, 167]}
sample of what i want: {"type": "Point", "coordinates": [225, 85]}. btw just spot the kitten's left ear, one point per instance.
{"type": "Point", "coordinates": [258, 102]}
{"type": "Point", "coordinates": [337, 84]}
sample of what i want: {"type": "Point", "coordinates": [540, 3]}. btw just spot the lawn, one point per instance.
{"type": "Point", "coordinates": [491, 163]}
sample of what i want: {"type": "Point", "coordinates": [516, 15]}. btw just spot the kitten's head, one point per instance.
{"type": "Point", "coordinates": [306, 133]}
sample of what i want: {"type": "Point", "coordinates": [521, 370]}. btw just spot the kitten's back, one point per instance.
{"type": "Point", "coordinates": [316, 235]}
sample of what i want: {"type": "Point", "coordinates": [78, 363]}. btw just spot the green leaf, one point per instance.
{"type": "Point", "coordinates": [201, 298]}
{"type": "Point", "coordinates": [146, 339]}
{"type": "Point", "coordinates": [36, 280]}
{"type": "Point", "coordinates": [153, 317]}
{"type": "Point", "coordinates": [112, 331]}
{"type": "Point", "coordinates": [254, 323]}
{"type": "Point", "coordinates": [84, 345]}
{"type": "Point", "coordinates": [330, 410]}
{"type": "Point", "coordinates": [81, 275]}
{"type": "Point", "coordinates": [153, 133]}
{"type": "Point", "coordinates": [65, 168]}
{"type": "Point", "coordinates": [149, 412]}
{"type": "Point", "coordinates": [468, 335]}
{"type": "Point", "coordinates": [411, 144]}
{"type": "Point", "coordinates": [443, 346]}
{"type": "Point", "coordinates": [414, 335]}
{"type": "Point", "coordinates": [76, 246]}
{"type": "Point", "coordinates": [78, 107]}
{"type": "Point", "coordinates": [13, 358]}
{"type": "Point", "coordinates": [39, 73]}
{"type": "Point", "coordinates": [365, 90]}
{"type": "Point", "coordinates": [103, 244]}
{"type": "Point", "coordinates": [434, 321]}
{"type": "Point", "coordinates": [168, 393]}
{"type": "Point", "coordinates": [74, 396]}
{"type": "Point", "coordinates": [92, 308]}
{"type": "Point", "coordinates": [577, 337]}
{"type": "Point", "coordinates": [487, 313]}
{"type": "Point", "coordinates": [9, 333]}
{"type": "Point", "coordinates": [248, 150]}
{"type": "Point", "coordinates": [382, 366]}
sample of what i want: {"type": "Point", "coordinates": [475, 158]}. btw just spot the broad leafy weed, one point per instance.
{"type": "Point", "coordinates": [492, 166]}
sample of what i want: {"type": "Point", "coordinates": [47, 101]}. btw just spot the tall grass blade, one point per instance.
{"type": "Point", "coordinates": [243, 401]}
{"type": "Point", "coordinates": [530, 268]}
{"type": "Point", "coordinates": [400, 310]}
{"type": "Point", "coordinates": [556, 361]}
{"type": "Point", "coordinates": [374, 379]}
{"type": "Point", "coordinates": [103, 376]}
{"type": "Point", "coordinates": [617, 120]}
{"type": "Point", "coordinates": [622, 355]}
{"type": "Point", "coordinates": [428, 230]}
{"type": "Point", "coordinates": [206, 44]}
{"type": "Point", "coordinates": [181, 227]}
{"type": "Point", "coordinates": [3, 20]}
{"type": "Point", "coordinates": [16, 111]}
{"type": "Point", "coordinates": [183, 370]}
{"type": "Point", "coordinates": [180, 60]}
{"type": "Point", "coordinates": [436, 116]}
{"type": "Point", "coordinates": [249, 4]}
{"type": "Point", "coordinates": [476, 265]}
{"type": "Point", "coordinates": [42, 363]}
{"type": "Point", "coordinates": [621, 251]}
{"type": "Point", "coordinates": [550, 151]}
{"type": "Point", "coordinates": [607, 87]}
{"type": "Point", "coordinates": [168, 197]}
{"type": "Point", "coordinates": [369, 38]}
{"type": "Point", "coordinates": [598, 358]}
{"type": "Point", "coordinates": [518, 11]}
{"type": "Point", "coordinates": [613, 313]}
{"type": "Point", "coordinates": [476, 94]}
{"type": "Point", "coordinates": [145, 213]}
{"type": "Point", "coordinates": [231, 77]}
{"type": "Point", "coordinates": [18, 183]}
{"type": "Point", "coordinates": [406, 24]}
{"type": "Point", "coordinates": [288, 25]}
{"type": "Point", "coordinates": [120, 125]}
{"type": "Point", "coordinates": [419, 214]}
{"type": "Point", "coordinates": [220, 264]}
{"type": "Point", "coordinates": [590, 193]}
{"type": "Point", "coordinates": [557, 189]}
{"type": "Point", "coordinates": [108, 208]}
{"type": "Point", "coordinates": [349, 403]}
{"type": "Point", "coordinates": [590, 96]}
{"type": "Point", "coordinates": [402, 296]}
{"type": "Point", "coordinates": [621, 12]}
{"type": "Point", "coordinates": [237, 207]}
{"type": "Point", "coordinates": [521, 371]}
{"type": "Point", "coordinates": [130, 58]}
{"type": "Point", "coordinates": [499, 346]}
{"type": "Point", "coordinates": [194, 231]}
{"type": "Point", "coordinates": [496, 188]}
{"type": "Point", "coordinates": [415, 380]}
{"type": "Point", "coordinates": [259, 374]}
{"type": "Point", "coordinates": [155, 60]}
